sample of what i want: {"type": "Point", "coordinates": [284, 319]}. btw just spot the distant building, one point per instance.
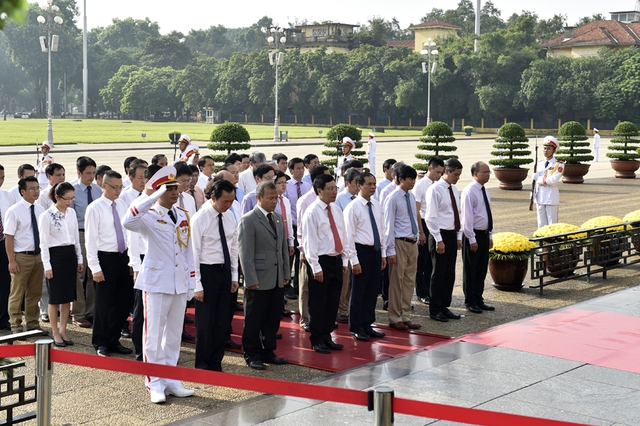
{"type": "Point", "coordinates": [588, 39]}
{"type": "Point", "coordinates": [433, 29]}
{"type": "Point", "coordinates": [335, 36]}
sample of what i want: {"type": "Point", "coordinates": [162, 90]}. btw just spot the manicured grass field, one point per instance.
{"type": "Point", "coordinates": [32, 131]}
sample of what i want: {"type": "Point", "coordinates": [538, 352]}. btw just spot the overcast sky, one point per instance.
{"type": "Point", "coordinates": [201, 14]}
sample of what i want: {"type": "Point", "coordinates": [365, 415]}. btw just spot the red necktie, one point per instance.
{"type": "Point", "coordinates": [334, 231]}
{"type": "Point", "coordinates": [283, 212]}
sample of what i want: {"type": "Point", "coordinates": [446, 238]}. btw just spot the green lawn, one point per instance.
{"type": "Point", "coordinates": [30, 131]}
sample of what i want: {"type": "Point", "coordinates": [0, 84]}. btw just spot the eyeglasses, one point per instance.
{"type": "Point", "coordinates": [33, 189]}
{"type": "Point", "coordinates": [117, 188]}
{"type": "Point", "coordinates": [185, 180]}
{"type": "Point", "coordinates": [68, 199]}
{"type": "Point", "coordinates": [331, 188]}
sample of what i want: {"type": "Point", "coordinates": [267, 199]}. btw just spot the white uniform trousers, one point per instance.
{"type": "Point", "coordinates": [372, 165]}
{"type": "Point", "coordinates": [547, 214]}
{"type": "Point", "coordinates": [162, 334]}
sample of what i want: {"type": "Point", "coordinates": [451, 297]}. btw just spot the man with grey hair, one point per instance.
{"type": "Point", "coordinates": [246, 181]}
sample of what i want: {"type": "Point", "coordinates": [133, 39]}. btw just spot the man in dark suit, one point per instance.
{"type": "Point", "coordinates": [264, 257]}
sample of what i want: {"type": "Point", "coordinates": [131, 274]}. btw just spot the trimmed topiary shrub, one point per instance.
{"type": "Point", "coordinates": [438, 136]}
{"type": "Point", "coordinates": [229, 137]}
{"type": "Point", "coordinates": [624, 148]}
{"type": "Point", "coordinates": [571, 137]}
{"type": "Point", "coordinates": [511, 145]}
{"type": "Point", "coordinates": [334, 140]}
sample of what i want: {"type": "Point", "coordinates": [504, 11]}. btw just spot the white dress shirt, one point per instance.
{"type": "Point", "coordinates": [288, 222]}
{"type": "Point", "coordinates": [474, 213]}
{"type": "Point", "coordinates": [100, 231]}
{"type": "Point", "coordinates": [386, 192]}
{"type": "Point", "coordinates": [5, 203]}
{"type": "Point", "coordinates": [440, 211]}
{"type": "Point", "coordinates": [58, 229]}
{"type": "Point", "coordinates": [18, 223]}
{"type": "Point", "coordinates": [420, 193]}
{"type": "Point", "coordinates": [43, 199]}
{"type": "Point", "coordinates": [301, 207]}
{"type": "Point", "coordinates": [317, 238]}
{"type": "Point", "coordinates": [379, 187]}
{"type": "Point", "coordinates": [246, 181]}
{"type": "Point", "coordinates": [14, 195]}
{"type": "Point", "coordinates": [188, 203]}
{"type": "Point", "coordinates": [135, 241]}
{"type": "Point", "coordinates": [206, 243]}
{"type": "Point", "coordinates": [359, 229]}
{"type": "Point", "coordinates": [203, 181]}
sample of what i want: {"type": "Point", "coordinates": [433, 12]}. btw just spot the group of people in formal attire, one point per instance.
{"type": "Point", "coordinates": [106, 246]}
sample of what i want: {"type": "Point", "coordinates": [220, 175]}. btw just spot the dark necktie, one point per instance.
{"type": "Point", "coordinates": [223, 240]}
{"type": "Point", "coordinates": [546, 164]}
{"type": "Point", "coordinates": [488, 207]}
{"type": "Point", "coordinates": [414, 225]}
{"type": "Point", "coordinates": [353, 197]}
{"type": "Point", "coordinates": [374, 226]}
{"type": "Point", "coordinates": [283, 212]}
{"type": "Point", "coordinates": [299, 190]}
{"type": "Point", "coordinates": [34, 227]}
{"type": "Point", "coordinates": [1, 228]}
{"type": "Point", "coordinates": [173, 217]}
{"type": "Point", "coordinates": [89, 195]}
{"type": "Point", "coordinates": [272, 223]}
{"type": "Point", "coordinates": [454, 206]}
{"type": "Point", "coordinates": [334, 231]}
{"type": "Point", "coordinates": [119, 234]}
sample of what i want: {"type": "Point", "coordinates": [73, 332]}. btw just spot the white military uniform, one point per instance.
{"type": "Point", "coordinates": [43, 162]}
{"type": "Point", "coordinates": [547, 196]}
{"type": "Point", "coordinates": [167, 280]}
{"type": "Point", "coordinates": [596, 146]}
{"type": "Point", "coordinates": [371, 154]}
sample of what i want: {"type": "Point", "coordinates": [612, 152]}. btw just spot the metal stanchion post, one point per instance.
{"type": "Point", "coordinates": [383, 406]}
{"type": "Point", "coordinates": [44, 375]}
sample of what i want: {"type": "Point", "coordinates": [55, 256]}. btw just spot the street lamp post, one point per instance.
{"type": "Point", "coordinates": [428, 69]}
{"type": "Point", "coordinates": [275, 59]}
{"type": "Point", "coordinates": [49, 44]}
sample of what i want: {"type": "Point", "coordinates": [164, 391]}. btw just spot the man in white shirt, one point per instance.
{"type": "Point", "coordinates": [185, 200]}
{"type": "Point", "coordinates": [388, 177]}
{"type": "Point", "coordinates": [109, 262]}
{"type": "Point", "coordinates": [166, 288]}
{"type": "Point", "coordinates": [246, 181]}
{"type": "Point", "coordinates": [5, 276]}
{"type": "Point", "coordinates": [216, 264]}
{"type": "Point", "coordinates": [371, 153]}
{"type": "Point", "coordinates": [322, 233]}
{"type": "Point", "coordinates": [207, 168]}
{"type": "Point", "coordinates": [477, 223]}
{"type": "Point", "coordinates": [596, 144]}
{"type": "Point", "coordinates": [22, 243]}
{"type": "Point", "coordinates": [548, 176]}
{"type": "Point", "coordinates": [445, 239]}
{"type": "Point", "coordinates": [24, 170]}
{"type": "Point", "coordinates": [347, 146]}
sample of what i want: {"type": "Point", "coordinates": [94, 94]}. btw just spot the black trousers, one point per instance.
{"type": "Point", "coordinates": [294, 260]}
{"type": "Point", "coordinates": [5, 285]}
{"type": "Point", "coordinates": [474, 267]}
{"type": "Point", "coordinates": [137, 320]}
{"type": "Point", "coordinates": [364, 289]}
{"type": "Point", "coordinates": [212, 317]}
{"type": "Point", "coordinates": [424, 269]}
{"type": "Point", "coordinates": [324, 298]}
{"type": "Point", "coordinates": [233, 301]}
{"type": "Point", "coordinates": [113, 299]}
{"type": "Point", "coordinates": [262, 313]}
{"type": "Point", "coordinates": [384, 284]}
{"type": "Point", "coordinates": [443, 275]}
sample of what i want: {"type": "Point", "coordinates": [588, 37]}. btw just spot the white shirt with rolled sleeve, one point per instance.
{"type": "Point", "coordinates": [135, 242]}
{"type": "Point", "coordinates": [100, 234]}
{"type": "Point", "coordinates": [301, 207]}
{"type": "Point", "coordinates": [205, 240]}
{"type": "Point", "coordinates": [317, 238]}
{"type": "Point", "coordinates": [17, 222]}
{"type": "Point", "coordinates": [58, 229]}
{"type": "Point", "coordinates": [440, 211]}
{"type": "Point", "coordinates": [474, 213]}
{"type": "Point", "coordinates": [359, 228]}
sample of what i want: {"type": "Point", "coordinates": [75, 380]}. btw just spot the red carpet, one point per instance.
{"type": "Point", "coordinates": [598, 338]}
{"type": "Point", "coordinates": [295, 345]}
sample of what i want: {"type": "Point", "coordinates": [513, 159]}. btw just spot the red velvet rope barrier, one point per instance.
{"type": "Point", "coordinates": [282, 387]}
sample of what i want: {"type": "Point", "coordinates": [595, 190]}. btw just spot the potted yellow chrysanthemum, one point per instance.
{"type": "Point", "coordinates": [634, 218]}
{"type": "Point", "coordinates": [561, 257]}
{"type": "Point", "coordinates": [509, 259]}
{"type": "Point", "coordinates": [604, 251]}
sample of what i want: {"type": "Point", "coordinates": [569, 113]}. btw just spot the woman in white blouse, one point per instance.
{"type": "Point", "coordinates": [61, 258]}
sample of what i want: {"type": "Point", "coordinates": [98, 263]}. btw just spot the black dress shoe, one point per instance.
{"type": "Point", "coordinates": [278, 335]}
{"type": "Point", "coordinates": [425, 300]}
{"type": "Point", "coordinates": [102, 351]}
{"type": "Point", "coordinates": [385, 305]}
{"type": "Point", "coordinates": [335, 326]}
{"type": "Point", "coordinates": [275, 360]}
{"type": "Point", "coordinates": [485, 307]}
{"type": "Point", "coordinates": [447, 313]}
{"type": "Point", "coordinates": [474, 308]}
{"type": "Point", "coordinates": [439, 317]}
{"type": "Point", "coordinates": [121, 350]}
{"type": "Point", "coordinates": [239, 307]}
{"type": "Point", "coordinates": [363, 337]}
{"type": "Point", "coordinates": [286, 313]}
{"type": "Point", "coordinates": [256, 365]}
{"type": "Point", "coordinates": [126, 334]}
{"type": "Point", "coordinates": [305, 327]}
{"type": "Point", "coordinates": [187, 336]}
{"type": "Point", "coordinates": [138, 357]}
{"type": "Point", "coordinates": [291, 294]}
{"type": "Point", "coordinates": [59, 344]}
{"type": "Point", "coordinates": [322, 348]}
{"type": "Point", "coordinates": [188, 320]}
{"type": "Point", "coordinates": [230, 344]}
{"type": "Point", "coordinates": [372, 333]}
{"type": "Point", "coordinates": [333, 346]}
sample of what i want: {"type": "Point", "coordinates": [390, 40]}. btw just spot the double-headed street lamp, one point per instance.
{"type": "Point", "coordinates": [49, 44]}
{"type": "Point", "coordinates": [275, 59]}
{"type": "Point", "coordinates": [428, 69]}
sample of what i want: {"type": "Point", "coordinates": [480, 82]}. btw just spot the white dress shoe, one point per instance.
{"type": "Point", "coordinates": [157, 397]}
{"type": "Point", "coordinates": [179, 392]}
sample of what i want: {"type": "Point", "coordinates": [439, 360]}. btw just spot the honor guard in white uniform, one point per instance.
{"type": "Point", "coordinates": [43, 161]}
{"type": "Point", "coordinates": [183, 143]}
{"type": "Point", "coordinates": [167, 276]}
{"type": "Point", "coordinates": [548, 175]}
{"type": "Point", "coordinates": [191, 155]}
{"type": "Point", "coordinates": [371, 153]}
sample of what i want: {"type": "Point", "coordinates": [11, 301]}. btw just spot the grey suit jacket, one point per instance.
{"type": "Point", "coordinates": [264, 257]}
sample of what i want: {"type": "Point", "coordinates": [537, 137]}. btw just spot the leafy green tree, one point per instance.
{"type": "Point", "coordinates": [573, 144]}
{"type": "Point", "coordinates": [588, 19]}
{"type": "Point", "coordinates": [128, 33]}
{"type": "Point", "coordinates": [379, 31]}
{"type": "Point", "coordinates": [165, 51]}
{"type": "Point", "coordinates": [511, 145]}
{"type": "Point", "coordinates": [14, 82]}
{"type": "Point", "coordinates": [334, 140]}
{"type": "Point", "coordinates": [196, 85]}
{"type": "Point", "coordinates": [210, 42]}
{"type": "Point", "coordinates": [112, 93]}
{"type": "Point", "coordinates": [438, 137]}
{"type": "Point", "coordinates": [624, 147]}
{"type": "Point", "coordinates": [147, 91]}
{"type": "Point", "coordinates": [229, 137]}
{"type": "Point", "coordinates": [14, 9]}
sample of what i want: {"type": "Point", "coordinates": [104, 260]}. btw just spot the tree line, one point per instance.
{"type": "Point", "coordinates": [135, 70]}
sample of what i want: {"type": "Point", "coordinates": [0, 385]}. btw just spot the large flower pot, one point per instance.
{"type": "Point", "coordinates": [574, 173]}
{"type": "Point", "coordinates": [561, 262]}
{"type": "Point", "coordinates": [605, 252]}
{"type": "Point", "coordinates": [625, 169]}
{"type": "Point", "coordinates": [508, 275]}
{"type": "Point", "coordinates": [510, 179]}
